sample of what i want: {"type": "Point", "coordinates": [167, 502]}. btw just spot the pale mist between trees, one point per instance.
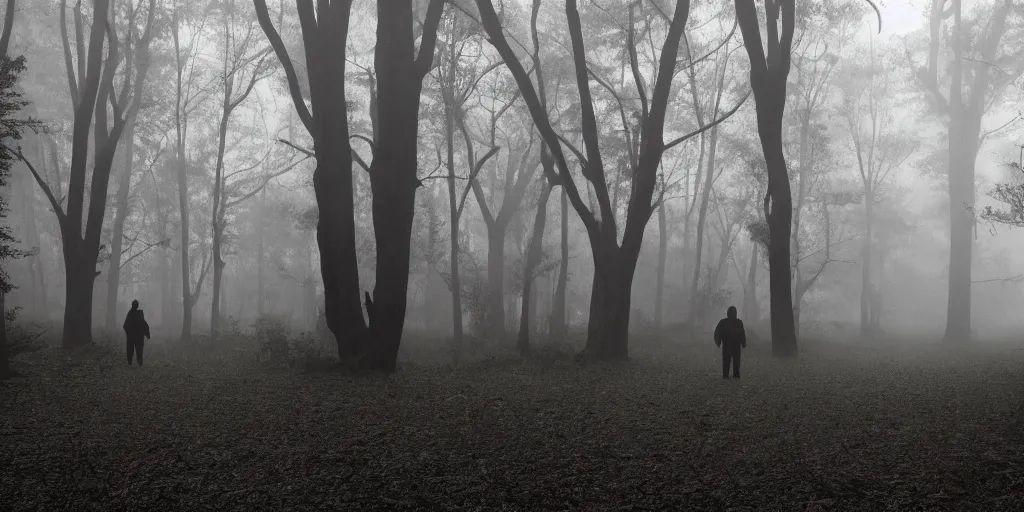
{"type": "Point", "coordinates": [518, 173]}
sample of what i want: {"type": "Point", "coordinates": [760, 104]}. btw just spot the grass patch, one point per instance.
{"type": "Point", "coordinates": [884, 427]}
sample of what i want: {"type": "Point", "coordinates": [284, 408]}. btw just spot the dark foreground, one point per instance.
{"type": "Point", "coordinates": [866, 429]}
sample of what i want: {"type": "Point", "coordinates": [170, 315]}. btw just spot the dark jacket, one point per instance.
{"type": "Point", "coordinates": [135, 325]}
{"type": "Point", "coordinates": [730, 332]}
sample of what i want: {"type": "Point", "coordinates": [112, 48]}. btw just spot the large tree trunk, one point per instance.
{"type": "Point", "coordinates": [659, 290]}
{"type": "Point", "coordinates": [768, 75]}
{"type": "Point", "coordinates": [610, 298]}
{"type": "Point", "coordinates": [779, 224]}
{"type": "Point", "coordinates": [558, 317]}
{"type": "Point", "coordinates": [78, 299]}
{"type": "Point", "coordinates": [533, 257]}
{"type": "Point", "coordinates": [393, 177]}
{"type": "Point", "coordinates": [324, 36]}
{"type": "Point", "coordinates": [962, 154]}
{"type": "Point", "coordinates": [117, 233]}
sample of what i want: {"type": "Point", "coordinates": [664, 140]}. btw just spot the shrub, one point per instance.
{"type": "Point", "coordinates": [271, 333]}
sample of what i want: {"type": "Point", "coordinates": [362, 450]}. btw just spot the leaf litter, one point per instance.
{"type": "Point", "coordinates": [837, 429]}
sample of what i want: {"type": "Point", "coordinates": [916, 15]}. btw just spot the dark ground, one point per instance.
{"type": "Point", "coordinates": [871, 428]}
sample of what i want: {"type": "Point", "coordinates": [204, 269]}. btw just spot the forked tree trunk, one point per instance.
{"type": "Point", "coordinates": [768, 77]}
{"type": "Point", "coordinates": [400, 73]}
{"type": "Point", "coordinates": [614, 265]}
{"type": "Point", "coordinates": [324, 35]}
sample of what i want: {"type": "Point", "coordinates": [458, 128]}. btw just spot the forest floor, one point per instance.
{"type": "Point", "coordinates": [839, 428]}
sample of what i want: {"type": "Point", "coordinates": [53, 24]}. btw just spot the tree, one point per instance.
{"type": "Point", "coordinates": [977, 78]}
{"type": "Point", "coordinates": [456, 82]}
{"type": "Point", "coordinates": [11, 126]}
{"type": "Point", "coordinates": [247, 65]}
{"type": "Point", "coordinates": [136, 53]}
{"type": "Point", "coordinates": [91, 88]}
{"type": "Point", "coordinates": [399, 79]}
{"type": "Point", "coordinates": [614, 263]}
{"type": "Point", "coordinates": [324, 37]}
{"type": "Point", "coordinates": [769, 72]}
{"type": "Point", "coordinates": [10, 130]}
{"type": "Point", "coordinates": [1011, 195]}
{"type": "Point", "coordinates": [880, 148]}
{"type": "Point", "coordinates": [720, 72]}
{"type": "Point", "coordinates": [400, 72]}
{"type": "Point", "coordinates": [187, 98]}
{"type": "Point", "coordinates": [535, 249]}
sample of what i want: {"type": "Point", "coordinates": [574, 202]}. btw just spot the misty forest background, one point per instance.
{"type": "Point", "coordinates": [438, 173]}
{"type": "Point", "coordinates": [537, 210]}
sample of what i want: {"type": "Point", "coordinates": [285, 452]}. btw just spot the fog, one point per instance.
{"type": "Point", "coordinates": [867, 112]}
{"type": "Point", "coordinates": [474, 254]}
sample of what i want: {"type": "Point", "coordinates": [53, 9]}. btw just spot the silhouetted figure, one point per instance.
{"type": "Point", "coordinates": [730, 335]}
{"type": "Point", "coordinates": [135, 329]}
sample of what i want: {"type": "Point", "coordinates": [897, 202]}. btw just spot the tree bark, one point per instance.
{"type": "Point", "coordinates": [400, 73]}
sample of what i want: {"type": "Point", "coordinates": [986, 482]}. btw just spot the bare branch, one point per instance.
{"type": "Point", "coordinates": [709, 125]}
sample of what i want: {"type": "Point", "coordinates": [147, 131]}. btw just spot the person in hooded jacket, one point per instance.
{"type": "Point", "coordinates": [136, 330]}
{"type": "Point", "coordinates": [730, 335]}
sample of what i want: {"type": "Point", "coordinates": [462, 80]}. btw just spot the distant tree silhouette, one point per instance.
{"type": "Point", "coordinates": [981, 66]}
{"type": "Point", "coordinates": [91, 87]}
